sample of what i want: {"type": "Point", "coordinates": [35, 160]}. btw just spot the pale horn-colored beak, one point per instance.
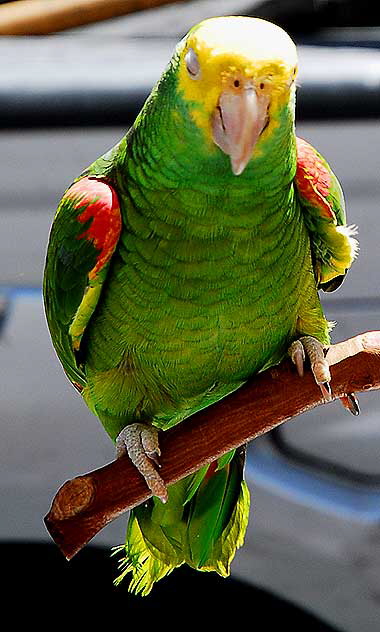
{"type": "Point", "coordinates": [237, 123]}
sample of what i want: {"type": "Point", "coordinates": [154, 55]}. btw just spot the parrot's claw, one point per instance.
{"type": "Point", "coordinates": [326, 390]}
{"type": "Point", "coordinates": [140, 442]}
{"type": "Point", "coordinates": [314, 350]}
{"type": "Point", "coordinates": [350, 403]}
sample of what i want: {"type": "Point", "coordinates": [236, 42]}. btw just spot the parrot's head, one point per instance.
{"type": "Point", "coordinates": [236, 74]}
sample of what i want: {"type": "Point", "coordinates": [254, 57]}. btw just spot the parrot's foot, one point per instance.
{"type": "Point", "coordinates": [315, 351]}
{"type": "Point", "coordinates": [140, 442]}
{"type": "Point", "coordinates": [311, 347]}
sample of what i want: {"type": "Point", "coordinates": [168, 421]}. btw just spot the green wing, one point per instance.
{"type": "Point", "coordinates": [321, 197]}
{"type": "Point", "coordinates": [83, 238]}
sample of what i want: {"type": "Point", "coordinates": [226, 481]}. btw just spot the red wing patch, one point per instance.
{"type": "Point", "coordinates": [313, 178]}
{"type": "Point", "coordinates": [102, 206]}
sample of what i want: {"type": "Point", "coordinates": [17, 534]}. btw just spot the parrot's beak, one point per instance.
{"type": "Point", "coordinates": [237, 122]}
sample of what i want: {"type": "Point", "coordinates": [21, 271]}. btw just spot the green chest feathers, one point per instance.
{"type": "Point", "coordinates": [194, 312]}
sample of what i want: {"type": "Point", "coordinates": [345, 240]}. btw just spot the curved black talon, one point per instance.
{"type": "Point", "coordinates": [350, 403]}
{"type": "Point", "coordinates": [326, 390]}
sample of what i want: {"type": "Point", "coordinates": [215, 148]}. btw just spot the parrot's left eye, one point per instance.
{"type": "Point", "coordinates": [293, 76]}
{"type": "Point", "coordinates": [192, 64]}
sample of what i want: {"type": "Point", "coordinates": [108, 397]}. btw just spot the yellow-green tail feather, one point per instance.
{"type": "Point", "coordinates": [202, 525]}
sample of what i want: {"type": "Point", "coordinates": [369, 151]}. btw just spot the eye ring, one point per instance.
{"type": "Point", "coordinates": [192, 64]}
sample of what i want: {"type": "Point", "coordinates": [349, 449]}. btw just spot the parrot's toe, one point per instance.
{"type": "Point", "coordinates": [140, 442]}
{"type": "Point", "coordinates": [308, 346]}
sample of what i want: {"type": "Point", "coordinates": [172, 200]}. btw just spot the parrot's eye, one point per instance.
{"type": "Point", "coordinates": [293, 76]}
{"type": "Point", "coordinates": [192, 64]}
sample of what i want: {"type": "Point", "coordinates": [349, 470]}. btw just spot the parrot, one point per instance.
{"type": "Point", "coordinates": [188, 259]}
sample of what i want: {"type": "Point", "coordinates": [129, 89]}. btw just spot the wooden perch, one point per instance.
{"type": "Point", "coordinates": [40, 17]}
{"type": "Point", "coordinates": [85, 504]}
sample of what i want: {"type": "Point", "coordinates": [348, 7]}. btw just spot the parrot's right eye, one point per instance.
{"type": "Point", "coordinates": [192, 64]}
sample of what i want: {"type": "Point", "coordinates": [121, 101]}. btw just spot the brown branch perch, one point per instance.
{"type": "Point", "coordinates": [40, 17]}
{"type": "Point", "coordinates": [85, 504]}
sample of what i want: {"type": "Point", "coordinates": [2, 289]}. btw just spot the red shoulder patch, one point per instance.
{"type": "Point", "coordinates": [313, 178]}
{"type": "Point", "coordinates": [102, 206]}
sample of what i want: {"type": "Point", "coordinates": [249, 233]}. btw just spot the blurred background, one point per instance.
{"type": "Point", "coordinates": [73, 75]}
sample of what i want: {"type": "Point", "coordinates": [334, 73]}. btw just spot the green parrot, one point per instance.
{"type": "Point", "coordinates": [186, 260]}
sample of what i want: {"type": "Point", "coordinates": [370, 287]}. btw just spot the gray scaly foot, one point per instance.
{"type": "Point", "coordinates": [140, 442]}
{"type": "Point", "coordinates": [314, 350]}
{"type": "Point", "coordinates": [311, 347]}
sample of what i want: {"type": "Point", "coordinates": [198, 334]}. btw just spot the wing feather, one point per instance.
{"type": "Point", "coordinates": [333, 245]}
{"type": "Point", "coordinates": [83, 237]}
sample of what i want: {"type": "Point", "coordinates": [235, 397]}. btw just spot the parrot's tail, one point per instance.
{"type": "Point", "coordinates": [202, 524]}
